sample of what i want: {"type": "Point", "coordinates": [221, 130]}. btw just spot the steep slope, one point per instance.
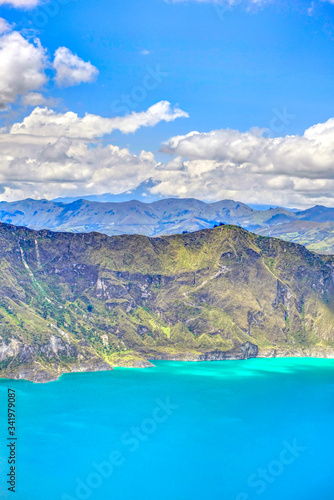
{"type": "Point", "coordinates": [73, 302]}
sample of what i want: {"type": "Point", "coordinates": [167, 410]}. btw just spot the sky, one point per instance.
{"type": "Point", "coordinates": [211, 99]}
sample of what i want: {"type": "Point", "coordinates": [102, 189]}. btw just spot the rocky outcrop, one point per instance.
{"type": "Point", "coordinates": [313, 352]}
{"type": "Point", "coordinates": [245, 351]}
{"type": "Point", "coordinates": [10, 350]}
{"type": "Point", "coordinates": [39, 373]}
{"type": "Point", "coordinates": [49, 361]}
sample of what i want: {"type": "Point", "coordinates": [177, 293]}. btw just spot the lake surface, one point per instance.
{"type": "Point", "coordinates": [237, 430]}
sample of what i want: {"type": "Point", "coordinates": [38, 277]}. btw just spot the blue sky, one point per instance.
{"type": "Point", "coordinates": [229, 68]}
{"type": "Point", "coordinates": [225, 73]}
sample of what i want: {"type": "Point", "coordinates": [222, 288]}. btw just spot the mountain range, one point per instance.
{"type": "Point", "coordinates": [83, 302]}
{"type": "Point", "coordinates": [312, 227]}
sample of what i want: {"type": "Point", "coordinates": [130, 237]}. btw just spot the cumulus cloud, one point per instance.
{"type": "Point", "coordinates": [22, 67]}
{"type": "Point", "coordinates": [310, 155]}
{"type": "Point", "coordinates": [72, 70]}
{"type": "Point", "coordinates": [39, 167]}
{"type": "Point", "coordinates": [292, 170]}
{"type": "Point", "coordinates": [46, 122]}
{"type": "Point", "coordinates": [28, 4]}
{"type": "Point", "coordinates": [51, 153]}
{"type": "Point", "coordinates": [250, 167]}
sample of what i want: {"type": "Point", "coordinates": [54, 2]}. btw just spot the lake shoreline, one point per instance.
{"type": "Point", "coordinates": [244, 352]}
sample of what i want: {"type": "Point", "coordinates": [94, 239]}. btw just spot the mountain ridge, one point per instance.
{"type": "Point", "coordinates": [169, 216]}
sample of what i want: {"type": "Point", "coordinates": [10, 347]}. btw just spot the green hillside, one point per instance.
{"type": "Point", "coordinates": [80, 302]}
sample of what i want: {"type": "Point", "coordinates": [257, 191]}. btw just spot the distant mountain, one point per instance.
{"type": "Point", "coordinates": [268, 207]}
{"type": "Point", "coordinates": [171, 216]}
{"type": "Point", "coordinates": [316, 236]}
{"type": "Point", "coordinates": [141, 193]}
{"type": "Point", "coordinates": [318, 213]}
{"type": "Point", "coordinates": [88, 302]}
{"type": "Point", "coordinates": [161, 217]}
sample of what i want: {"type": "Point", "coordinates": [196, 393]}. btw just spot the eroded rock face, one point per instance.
{"type": "Point", "coordinates": [34, 372]}
{"type": "Point", "coordinates": [313, 352]}
{"type": "Point", "coordinates": [46, 362]}
{"type": "Point", "coordinates": [283, 295]}
{"type": "Point", "coordinates": [10, 350]}
{"type": "Point", "coordinates": [245, 351]}
{"type": "Point", "coordinates": [56, 348]}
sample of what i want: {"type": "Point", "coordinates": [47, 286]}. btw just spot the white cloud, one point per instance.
{"type": "Point", "coordinates": [310, 9]}
{"type": "Point", "coordinates": [34, 99]}
{"type": "Point", "coordinates": [21, 3]}
{"type": "Point", "coordinates": [46, 122]}
{"type": "Point", "coordinates": [291, 170]}
{"type": "Point", "coordinates": [26, 4]}
{"type": "Point", "coordinates": [4, 26]}
{"type": "Point", "coordinates": [309, 155]}
{"type": "Point", "coordinates": [22, 67]}
{"type": "Point", "coordinates": [295, 170]}
{"type": "Point", "coordinates": [71, 69]}
{"type": "Point", "coordinates": [39, 167]}
{"type": "Point", "coordinates": [49, 154]}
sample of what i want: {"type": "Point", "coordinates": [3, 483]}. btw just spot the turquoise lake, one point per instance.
{"type": "Point", "coordinates": [237, 430]}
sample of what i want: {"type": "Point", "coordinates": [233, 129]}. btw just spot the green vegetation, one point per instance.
{"type": "Point", "coordinates": [89, 302]}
